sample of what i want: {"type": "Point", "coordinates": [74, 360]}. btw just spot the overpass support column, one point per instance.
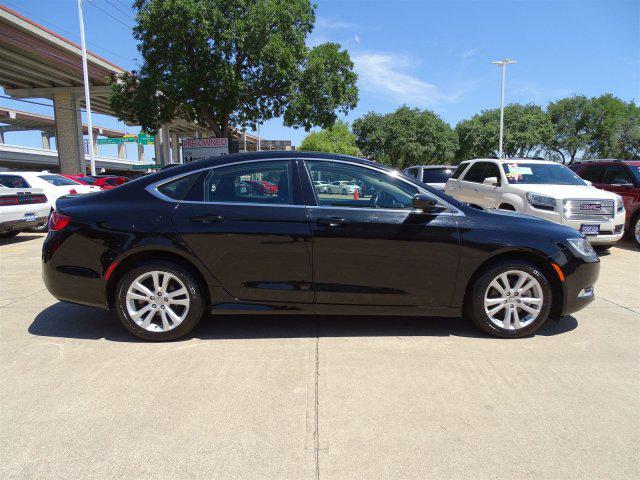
{"type": "Point", "coordinates": [122, 150]}
{"type": "Point", "coordinates": [46, 140]}
{"type": "Point", "coordinates": [158, 147]}
{"type": "Point", "coordinates": [140, 152]}
{"type": "Point", "coordinates": [166, 148]}
{"type": "Point", "coordinates": [69, 139]}
{"type": "Point", "coordinates": [175, 148]}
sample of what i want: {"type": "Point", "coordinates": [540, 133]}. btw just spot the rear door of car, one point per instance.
{"type": "Point", "coordinates": [257, 244]}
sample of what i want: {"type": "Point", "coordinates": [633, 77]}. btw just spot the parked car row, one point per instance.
{"type": "Point", "coordinates": [21, 190]}
{"type": "Point", "coordinates": [601, 199]}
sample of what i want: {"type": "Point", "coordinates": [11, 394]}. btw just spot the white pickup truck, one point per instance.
{"type": "Point", "coordinates": [543, 189]}
{"type": "Point", "coordinates": [21, 209]}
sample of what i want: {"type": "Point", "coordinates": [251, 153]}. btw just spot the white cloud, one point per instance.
{"type": "Point", "coordinates": [387, 75]}
{"type": "Point", "coordinates": [330, 24]}
{"type": "Point", "coordinates": [469, 53]}
{"type": "Point", "coordinates": [356, 38]}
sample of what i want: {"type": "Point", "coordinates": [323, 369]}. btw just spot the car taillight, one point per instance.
{"type": "Point", "coordinates": [73, 191]}
{"type": "Point", "coordinates": [58, 221]}
{"type": "Point", "coordinates": [38, 199]}
{"type": "Point", "coordinates": [11, 200]}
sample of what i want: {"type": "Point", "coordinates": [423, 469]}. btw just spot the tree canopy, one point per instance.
{"type": "Point", "coordinates": [572, 120]}
{"type": "Point", "coordinates": [233, 63]}
{"type": "Point", "coordinates": [335, 139]}
{"type": "Point", "coordinates": [615, 128]}
{"type": "Point", "coordinates": [406, 137]}
{"type": "Point", "coordinates": [527, 129]}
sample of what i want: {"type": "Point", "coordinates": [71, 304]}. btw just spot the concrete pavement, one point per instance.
{"type": "Point", "coordinates": [306, 397]}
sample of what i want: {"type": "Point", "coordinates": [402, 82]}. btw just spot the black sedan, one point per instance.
{"type": "Point", "coordinates": [165, 249]}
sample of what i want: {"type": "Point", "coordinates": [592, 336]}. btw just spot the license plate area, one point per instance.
{"type": "Point", "coordinates": [30, 217]}
{"type": "Point", "coordinates": [586, 229]}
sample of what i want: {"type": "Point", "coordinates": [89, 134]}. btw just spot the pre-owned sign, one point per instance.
{"type": "Point", "coordinates": [198, 148]}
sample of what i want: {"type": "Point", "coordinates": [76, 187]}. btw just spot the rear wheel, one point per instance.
{"type": "Point", "coordinates": [510, 299]}
{"type": "Point", "coordinates": [159, 300]}
{"type": "Point", "coordinates": [10, 234]}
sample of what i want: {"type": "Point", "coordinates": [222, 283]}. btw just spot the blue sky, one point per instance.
{"type": "Point", "coordinates": [427, 54]}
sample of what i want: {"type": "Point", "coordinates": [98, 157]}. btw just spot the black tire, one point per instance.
{"type": "Point", "coordinates": [10, 234]}
{"type": "Point", "coordinates": [635, 234]}
{"type": "Point", "coordinates": [507, 207]}
{"type": "Point", "coordinates": [474, 302]}
{"type": "Point", "coordinates": [195, 295]}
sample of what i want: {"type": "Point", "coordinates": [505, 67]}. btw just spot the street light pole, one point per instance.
{"type": "Point", "coordinates": [503, 64]}
{"type": "Point", "coordinates": [87, 97]}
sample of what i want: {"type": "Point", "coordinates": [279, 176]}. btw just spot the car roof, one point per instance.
{"type": "Point", "coordinates": [511, 160]}
{"type": "Point", "coordinates": [432, 167]}
{"type": "Point", "coordinates": [608, 161]}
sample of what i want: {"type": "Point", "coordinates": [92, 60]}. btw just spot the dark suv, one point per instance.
{"type": "Point", "coordinates": [621, 177]}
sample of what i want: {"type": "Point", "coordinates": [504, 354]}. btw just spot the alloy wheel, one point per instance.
{"type": "Point", "coordinates": [157, 301]}
{"type": "Point", "coordinates": [513, 300]}
{"type": "Point", "coordinates": [637, 232]}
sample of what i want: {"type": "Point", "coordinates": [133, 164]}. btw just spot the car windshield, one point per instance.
{"type": "Point", "coordinates": [635, 171]}
{"type": "Point", "coordinates": [88, 180]}
{"type": "Point", "coordinates": [540, 173]}
{"type": "Point", "coordinates": [58, 180]}
{"type": "Point", "coordinates": [436, 175]}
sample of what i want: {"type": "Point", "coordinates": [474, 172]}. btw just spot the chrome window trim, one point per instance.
{"type": "Point", "coordinates": [152, 188]}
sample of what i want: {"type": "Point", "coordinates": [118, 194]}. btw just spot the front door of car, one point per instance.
{"type": "Point", "coordinates": [374, 248]}
{"type": "Point", "coordinates": [489, 193]}
{"type": "Point", "coordinates": [618, 179]}
{"type": "Point", "coordinates": [471, 184]}
{"type": "Point", "coordinates": [254, 239]}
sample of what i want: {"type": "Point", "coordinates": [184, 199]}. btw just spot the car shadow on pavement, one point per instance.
{"type": "Point", "coordinates": [23, 237]}
{"type": "Point", "coordinates": [66, 320]}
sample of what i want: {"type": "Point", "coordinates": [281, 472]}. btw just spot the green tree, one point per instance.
{"type": "Point", "coordinates": [615, 128]}
{"type": "Point", "coordinates": [527, 130]}
{"type": "Point", "coordinates": [233, 63]}
{"type": "Point", "coordinates": [335, 139]}
{"type": "Point", "coordinates": [572, 120]}
{"type": "Point", "coordinates": [406, 137]}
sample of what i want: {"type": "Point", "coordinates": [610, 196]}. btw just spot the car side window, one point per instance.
{"type": "Point", "coordinates": [616, 175]}
{"type": "Point", "coordinates": [593, 173]}
{"type": "Point", "coordinates": [179, 188]}
{"type": "Point", "coordinates": [359, 187]}
{"type": "Point", "coordinates": [13, 181]}
{"type": "Point", "coordinates": [254, 182]}
{"type": "Point", "coordinates": [475, 173]}
{"type": "Point", "coordinates": [461, 168]}
{"type": "Point", "coordinates": [412, 172]}
{"type": "Point", "coordinates": [491, 170]}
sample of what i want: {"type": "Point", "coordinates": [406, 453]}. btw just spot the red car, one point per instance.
{"type": "Point", "coordinates": [272, 189]}
{"type": "Point", "coordinates": [105, 182]}
{"type": "Point", "coordinates": [618, 176]}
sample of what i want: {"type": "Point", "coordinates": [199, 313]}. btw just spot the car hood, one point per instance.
{"type": "Point", "coordinates": [562, 192]}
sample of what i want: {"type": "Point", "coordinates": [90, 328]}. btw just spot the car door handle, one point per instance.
{"type": "Point", "coordinates": [207, 218]}
{"type": "Point", "coordinates": [331, 222]}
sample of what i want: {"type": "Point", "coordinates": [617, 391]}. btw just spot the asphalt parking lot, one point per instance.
{"type": "Point", "coordinates": [316, 397]}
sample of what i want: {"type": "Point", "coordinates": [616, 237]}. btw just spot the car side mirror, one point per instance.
{"type": "Point", "coordinates": [426, 204]}
{"type": "Point", "coordinates": [493, 181]}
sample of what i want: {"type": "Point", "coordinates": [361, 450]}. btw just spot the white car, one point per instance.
{"type": "Point", "coordinates": [53, 185]}
{"type": "Point", "coordinates": [21, 209]}
{"type": "Point", "coordinates": [435, 176]}
{"type": "Point", "coordinates": [543, 189]}
{"type": "Point", "coordinates": [320, 187]}
{"type": "Point", "coordinates": [343, 187]}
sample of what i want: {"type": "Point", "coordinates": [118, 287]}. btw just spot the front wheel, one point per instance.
{"type": "Point", "coordinates": [510, 299]}
{"type": "Point", "coordinates": [635, 230]}
{"type": "Point", "coordinates": [159, 300]}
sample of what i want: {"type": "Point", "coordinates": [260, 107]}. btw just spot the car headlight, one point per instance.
{"type": "Point", "coordinates": [541, 201]}
{"type": "Point", "coordinates": [582, 246]}
{"type": "Point", "coordinates": [619, 204]}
